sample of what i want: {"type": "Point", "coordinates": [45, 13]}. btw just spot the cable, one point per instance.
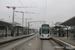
{"type": "Point", "coordinates": [20, 3]}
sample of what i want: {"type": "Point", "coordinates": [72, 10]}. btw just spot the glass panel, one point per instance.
{"type": "Point", "coordinates": [45, 31]}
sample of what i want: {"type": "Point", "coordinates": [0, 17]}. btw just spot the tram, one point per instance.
{"type": "Point", "coordinates": [44, 31]}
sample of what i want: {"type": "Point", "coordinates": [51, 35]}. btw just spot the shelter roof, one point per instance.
{"type": "Point", "coordinates": [3, 23]}
{"type": "Point", "coordinates": [70, 22]}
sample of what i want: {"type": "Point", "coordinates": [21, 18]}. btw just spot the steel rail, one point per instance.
{"type": "Point", "coordinates": [41, 44]}
{"type": "Point", "coordinates": [51, 41]}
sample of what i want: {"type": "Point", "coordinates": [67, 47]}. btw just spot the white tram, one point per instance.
{"type": "Point", "coordinates": [45, 32]}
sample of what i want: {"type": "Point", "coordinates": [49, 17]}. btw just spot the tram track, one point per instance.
{"type": "Point", "coordinates": [41, 44]}
{"type": "Point", "coordinates": [56, 45]}
{"type": "Point", "coordinates": [50, 45]}
{"type": "Point", "coordinates": [33, 43]}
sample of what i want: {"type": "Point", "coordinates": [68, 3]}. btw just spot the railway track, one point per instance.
{"type": "Point", "coordinates": [34, 43]}
{"type": "Point", "coordinates": [50, 45]}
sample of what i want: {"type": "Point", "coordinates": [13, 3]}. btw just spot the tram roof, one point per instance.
{"type": "Point", "coordinates": [70, 22]}
{"type": "Point", "coordinates": [45, 27]}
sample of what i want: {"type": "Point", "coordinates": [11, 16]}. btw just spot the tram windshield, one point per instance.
{"type": "Point", "coordinates": [45, 31]}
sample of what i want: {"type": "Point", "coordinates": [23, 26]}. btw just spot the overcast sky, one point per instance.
{"type": "Point", "coordinates": [54, 11]}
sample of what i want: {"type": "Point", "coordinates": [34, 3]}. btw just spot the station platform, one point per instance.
{"type": "Point", "coordinates": [66, 42]}
{"type": "Point", "coordinates": [10, 38]}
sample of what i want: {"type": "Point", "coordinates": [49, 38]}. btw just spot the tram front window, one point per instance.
{"type": "Point", "coordinates": [45, 31]}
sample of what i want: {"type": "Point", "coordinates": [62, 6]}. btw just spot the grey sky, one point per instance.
{"type": "Point", "coordinates": [56, 10]}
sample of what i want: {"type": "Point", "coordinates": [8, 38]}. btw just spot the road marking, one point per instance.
{"type": "Point", "coordinates": [65, 42]}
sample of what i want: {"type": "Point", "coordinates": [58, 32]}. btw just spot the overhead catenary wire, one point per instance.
{"type": "Point", "coordinates": [21, 4]}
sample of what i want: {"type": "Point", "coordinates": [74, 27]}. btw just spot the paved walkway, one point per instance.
{"type": "Point", "coordinates": [68, 40]}
{"type": "Point", "coordinates": [9, 38]}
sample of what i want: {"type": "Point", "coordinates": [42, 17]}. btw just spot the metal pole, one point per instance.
{"type": "Point", "coordinates": [67, 32]}
{"type": "Point", "coordinates": [23, 19]}
{"type": "Point", "coordinates": [12, 34]}
{"type": "Point", "coordinates": [6, 30]}
{"type": "Point", "coordinates": [13, 17]}
{"type": "Point", "coordinates": [26, 22]}
{"type": "Point", "coordinates": [28, 28]}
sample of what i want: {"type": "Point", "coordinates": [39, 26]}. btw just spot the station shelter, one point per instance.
{"type": "Point", "coordinates": [70, 25]}
{"type": "Point", "coordinates": [17, 30]}
{"type": "Point", "coordinates": [58, 30]}
{"type": "Point", "coordinates": [27, 30]}
{"type": "Point", "coordinates": [5, 29]}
